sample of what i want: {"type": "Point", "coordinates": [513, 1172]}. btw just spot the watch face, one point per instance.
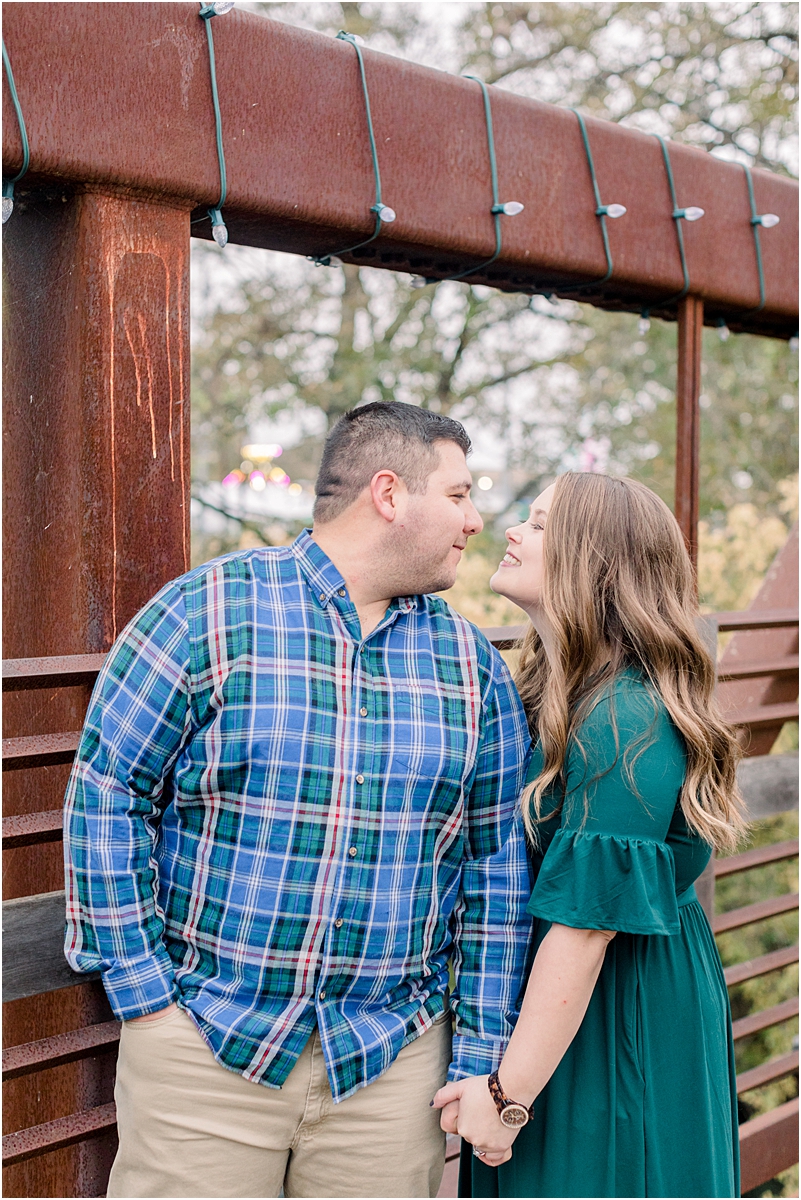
{"type": "Point", "coordinates": [514, 1115]}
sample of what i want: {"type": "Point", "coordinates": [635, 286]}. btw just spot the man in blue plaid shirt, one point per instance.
{"type": "Point", "coordinates": [294, 802]}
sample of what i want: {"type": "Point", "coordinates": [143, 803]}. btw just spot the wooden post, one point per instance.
{"type": "Point", "coordinates": [688, 421]}
{"type": "Point", "coordinates": [96, 483]}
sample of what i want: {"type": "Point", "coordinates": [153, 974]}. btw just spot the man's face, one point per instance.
{"type": "Point", "coordinates": [432, 530]}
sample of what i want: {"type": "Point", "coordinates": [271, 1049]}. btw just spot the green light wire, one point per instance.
{"type": "Point", "coordinates": [8, 184]}
{"type": "Point", "coordinates": [678, 215]}
{"type": "Point", "coordinates": [497, 208]}
{"type": "Point", "coordinates": [215, 213]}
{"type": "Point", "coordinates": [755, 223]}
{"type": "Point", "coordinates": [600, 212]}
{"type": "Point", "coordinates": [324, 260]}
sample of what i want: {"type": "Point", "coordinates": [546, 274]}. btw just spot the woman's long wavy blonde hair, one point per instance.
{"type": "Point", "coordinates": [618, 587]}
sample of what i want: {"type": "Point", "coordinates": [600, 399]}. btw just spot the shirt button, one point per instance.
{"type": "Point", "coordinates": [338, 923]}
{"type": "Point", "coordinates": [322, 996]}
{"type": "Point", "coordinates": [353, 852]}
{"type": "Point", "coordinates": [322, 597]}
{"type": "Point", "coordinates": [363, 712]}
{"type": "Point", "coordinates": [341, 592]}
{"type": "Point", "coordinates": [360, 779]}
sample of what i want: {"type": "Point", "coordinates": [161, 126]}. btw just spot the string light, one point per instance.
{"type": "Point", "coordinates": [723, 329]}
{"type": "Point", "coordinates": [793, 344]}
{"type": "Point", "coordinates": [766, 220]}
{"type": "Point", "coordinates": [644, 323]}
{"type": "Point", "coordinates": [688, 214]}
{"type": "Point", "coordinates": [510, 208]}
{"type": "Point", "coordinates": [218, 9]}
{"type": "Point", "coordinates": [8, 184]}
{"type": "Point", "coordinates": [384, 215]}
{"type": "Point", "coordinates": [758, 221]}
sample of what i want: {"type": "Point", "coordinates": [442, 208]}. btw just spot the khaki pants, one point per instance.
{"type": "Point", "coordinates": [189, 1127]}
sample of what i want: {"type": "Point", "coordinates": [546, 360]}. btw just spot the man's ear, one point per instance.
{"type": "Point", "coordinates": [387, 492]}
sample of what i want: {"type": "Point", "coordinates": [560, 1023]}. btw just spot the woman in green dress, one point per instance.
{"type": "Point", "coordinates": [619, 1077]}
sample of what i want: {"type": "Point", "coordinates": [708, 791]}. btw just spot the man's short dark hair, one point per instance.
{"type": "Point", "coordinates": [385, 436]}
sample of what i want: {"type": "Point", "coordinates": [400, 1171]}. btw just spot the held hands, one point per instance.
{"type": "Point", "coordinates": [469, 1110]}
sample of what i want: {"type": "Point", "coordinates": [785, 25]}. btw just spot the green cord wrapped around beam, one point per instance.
{"type": "Point", "coordinates": [766, 220]}
{"type": "Point", "coordinates": [602, 211]}
{"type": "Point", "coordinates": [383, 214]}
{"type": "Point", "coordinates": [8, 184]}
{"type": "Point", "coordinates": [691, 213]}
{"type": "Point", "coordinates": [207, 11]}
{"type": "Point", "coordinates": [510, 209]}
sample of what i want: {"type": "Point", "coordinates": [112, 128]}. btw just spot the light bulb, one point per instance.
{"type": "Point", "coordinates": [793, 344]}
{"type": "Point", "coordinates": [419, 281]}
{"type": "Point", "coordinates": [512, 208]}
{"type": "Point", "coordinates": [615, 210]}
{"type": "Point", "coordinates": [333, 261]}
{"type": "Point", "coordinates": [221, 7]}
{"type": "Point", "coordinates": [643, 325]}
{"type": "Point", "coordinates": [692, 213]}
{"type": "Point", "coordinates": [723, 330]}
{"type": "Point", "coordinates": [220, 234]}
{"type": "Point", "coordinates": [8, 207]}
{"type": "Point", "coordinates": [350, 37]}
{"type": "Point", "coordinates": [384, 213]}
{"type": "Point", "coordinates": [768, 220]}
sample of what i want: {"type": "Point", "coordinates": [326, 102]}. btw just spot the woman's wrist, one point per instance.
{"type": "Point", "coordinates": [515, 1086]}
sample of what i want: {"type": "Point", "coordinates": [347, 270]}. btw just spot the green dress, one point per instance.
{"type": "Point", "coordinates": [644, 1101]}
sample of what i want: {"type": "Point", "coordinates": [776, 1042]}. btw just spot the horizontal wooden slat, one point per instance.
{"type": "Point", "coordinates": [40, 749]}
{"type": "Point", "coordinates": [504, 637]}
{"type": "Point", "coordinates": [65, 670]}
{"type": "Point", "coordinates": [760, 856]}
{"type": "Point", "coordinates": [772, 907]}
{"type": "Point", "coordinates": [766, 618]}
{"type": "Point", "coordinates": [754, 967]}
{"type": "Point", "coordinates": [753, 670]}
{"type": "Point", "coordinates": [756, 1022]}
{"type": "Point", "coordinates": [765, 714]}
{"type": "Point", "coordinates": [55, 1135]}
{"type": "Point", "coordinates": [768, 1145]}
{"type": "Point", "coordinates": [33, 947]}
{"type": "Point", "coordinates": [777, 1068]}
{"type": "Point", "coordinates": [63, 1048]}
{"type": "Point", "coordinates": [30, 829]}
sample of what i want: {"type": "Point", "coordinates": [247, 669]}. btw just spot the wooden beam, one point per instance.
{"type": "Point", "coordinates": [768, 1145]}
{"type": "Point", "coordinates": [688, 421]}
{"type": "Point", "coordinates": [300, 175]}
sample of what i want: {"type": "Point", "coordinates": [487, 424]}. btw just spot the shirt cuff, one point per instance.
{"type": "Point", "coordinates": [137, 988]}
{"type": "Point", "coordinates": [475, 1056]}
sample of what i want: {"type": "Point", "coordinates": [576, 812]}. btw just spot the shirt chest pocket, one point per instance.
{"type": "Point", "coordinates": [428, 737]}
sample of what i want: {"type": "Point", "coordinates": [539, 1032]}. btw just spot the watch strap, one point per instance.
{"type": "Point", "coordinates": [502, 1101]}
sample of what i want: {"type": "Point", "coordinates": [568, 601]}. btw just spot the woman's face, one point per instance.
{"type": "Point", "coordinates": [519, 576]}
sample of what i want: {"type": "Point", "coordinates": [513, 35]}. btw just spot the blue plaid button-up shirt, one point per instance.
{"type": "Point", "coordinates": [280, 824]}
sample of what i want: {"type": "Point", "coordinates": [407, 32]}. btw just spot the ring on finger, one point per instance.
{"type": "Point", "coordinates": [478, 1153]}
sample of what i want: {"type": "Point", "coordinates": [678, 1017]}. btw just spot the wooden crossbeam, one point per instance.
{"type": "Point", "coordinates": [299, 170]}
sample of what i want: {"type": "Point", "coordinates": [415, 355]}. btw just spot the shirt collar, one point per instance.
{"type": "Point", "coordinates": [325, 580]}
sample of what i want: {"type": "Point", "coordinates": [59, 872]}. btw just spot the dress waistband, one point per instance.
{"type": "Point", "coordinates": [687, 897]}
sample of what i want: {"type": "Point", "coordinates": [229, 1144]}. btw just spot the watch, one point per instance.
{"type": "Point", "coordinates": [512, 1114]}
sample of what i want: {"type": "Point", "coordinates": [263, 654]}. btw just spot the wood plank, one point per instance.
{"type": "Point", "coordinates": [787, 665]}
{"type": "Point", "coordinates": [688, 421]}
{"type": "Point", "coordinates": [754, 967]}
{"type": "Point", "coordinates": [768, 1145]}
{"type": "Point", "coordinates": [761, 911]}
{"type": "Point", "coordinates": [776, 1068]}
{"type": "Point", "coordinates": [756, 618]}
{"type": "Point", "coordinates": [64, 670]}
{"type": "Point", "coordinates": [31, 829]}
{"type": "Point", "coordinates": [40, 749]}
{"type": "Point", "coordinates": [33, 941]}
{"type": "Point", "coordinates": [760, 856]}
{"type": "Point", "coordinates": [60, 1049]}
{"type": "Point", "coordinates": [756, 1022]}
{"type": "Point", "coordinates": [765, 714]}
{"type": "Point", "coordinates": [55, 1135]}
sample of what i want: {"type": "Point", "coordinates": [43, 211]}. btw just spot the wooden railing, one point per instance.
{"type": "Point", "coordinates": [33, 925]}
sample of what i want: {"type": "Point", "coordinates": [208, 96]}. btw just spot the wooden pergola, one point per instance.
{"type": "Point", "coordinates": [116, 100]}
